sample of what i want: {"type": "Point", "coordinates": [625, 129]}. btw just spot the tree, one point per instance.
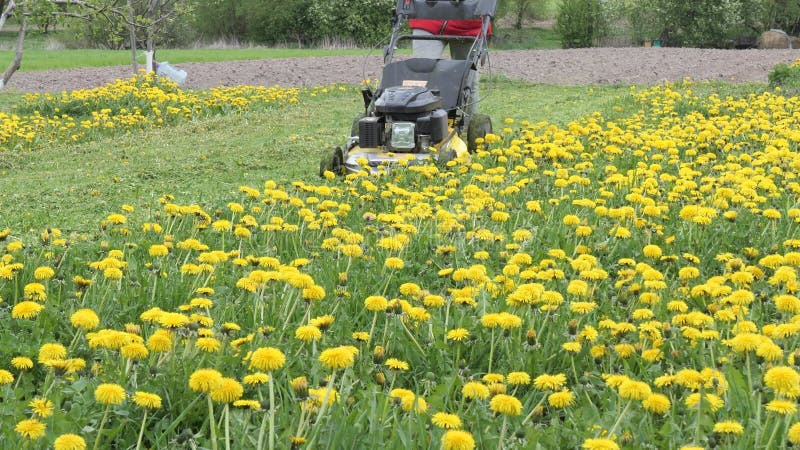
{"type": "Point", "coordinates": [140, 22]}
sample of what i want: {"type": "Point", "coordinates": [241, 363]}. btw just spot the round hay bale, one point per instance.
{"type": "Point", "coordinates": [795, 41]}
{"type": "Point", "coordinates": [774, 39]}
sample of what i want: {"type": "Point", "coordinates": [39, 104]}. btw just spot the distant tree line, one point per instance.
{"type": "Point", "coordinates": [679, 23]}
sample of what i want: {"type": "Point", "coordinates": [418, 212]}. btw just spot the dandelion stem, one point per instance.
{"type": "Point", "coordinates": [405, 327]}
{"type": "Point", "coordinates": [699, 415]}
{"type": "Point", "coordinates": [502, 433]}
{"type": "Point", "coordinates": [372, 328]}
{"type": "Point", "coordinates": [227, 427]}
{"type": "Point", "coordinates": [533, 410]}
{"type": "Point", "coordinates": [446, 317]}
{"type": "Point", "coordinates": [102, 425]}
{"type": "Point", "coordinates": [212, 423]}
{"type": "Point", "coordinates": [774, 432]}
{"type": "Point", "coordinates": [322, 409]}
{"type": "Point", "coordinates": [619, 419]}
{"type": "Point", "coordinates": [271, 413]}
{"type": "Point", "coordinates": [261, 431]}
{"type": "Point", "coordinates": [491, 351]}
{"type": "Point", "coordinates": [141, 431]}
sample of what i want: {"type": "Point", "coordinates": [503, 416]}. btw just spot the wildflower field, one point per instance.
{"type": "Point", "coordinates": [609, 283]}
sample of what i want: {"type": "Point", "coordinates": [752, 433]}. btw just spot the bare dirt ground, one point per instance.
{"type": "Point", "coordinates": [640, 66]}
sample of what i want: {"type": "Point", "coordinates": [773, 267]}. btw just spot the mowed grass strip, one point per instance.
{"type": "Point", "coordinates": [207, 159]}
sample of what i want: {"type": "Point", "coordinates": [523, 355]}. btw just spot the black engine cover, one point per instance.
{"type": "Point", "coordinates": [407, 100]}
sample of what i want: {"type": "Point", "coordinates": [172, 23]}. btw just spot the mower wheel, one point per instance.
{"type": "Point", "coordinates": [479, 126]}
{"type": "Point", "coordinates": [333, 161]}
{"type": "Point", "coordinates": [445, 156]}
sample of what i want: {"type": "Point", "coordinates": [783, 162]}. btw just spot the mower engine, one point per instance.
{"type": "Point", "coordinates": [408, 119]}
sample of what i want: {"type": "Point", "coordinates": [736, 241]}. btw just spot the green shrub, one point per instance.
{"type": "Point", "coordinates": [786, 77]}
{"type": "Point", "coordinates": [580, 23]}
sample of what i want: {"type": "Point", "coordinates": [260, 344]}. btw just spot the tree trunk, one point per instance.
{"type": "Point", "coordinates": [6, 12]}
{"type": "Point", "coordinates": [149, 42]}
{"type": "Point", "coordinates": [132, 31]}
{"type": "Point", "coordinates": [17, 62]}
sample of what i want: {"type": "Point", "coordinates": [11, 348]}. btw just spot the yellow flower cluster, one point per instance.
{"type": "Point", "coordinates": [141, 101]}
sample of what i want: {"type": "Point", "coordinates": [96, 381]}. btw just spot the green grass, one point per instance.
{"type": "Point", "coordinates": [525, 39]}
{"type": "Point", "coordinates": [38, 59]}
{"type": "Point", "coordinates": [60, 186]}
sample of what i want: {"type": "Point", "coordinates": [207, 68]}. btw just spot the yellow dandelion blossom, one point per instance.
{"type": "Point", "coordinates": [227, 391]}
{"type": "Point", "coordinates": [729, 427]}
{"type": "Point", "coordinates": [657, 404]}
{"type": "Point", "coordinates": [446, 421]}
{"type": "Point", "coordinates": [204, 380]}
{"type": "Point", "coordinates": [506, 404]}
{"type": "Point", "coordinates": [267, 359]}
{"type": "Point", "coordinates": [109, 394]}
{"type": "Point", "coordinates": [561, 399]}
{"type": "Point", "coordinates": [69, 442]}
{"type": "Point", "coordinates": [458, 440]}
{"type": "Point", "coordinates": [337, 358]}
{"type": "Point", "coordinates": [146, 400]}
{"type": "Point", "coordinates": [599, 444]}
{"type": "Point", "coordinates": [30, 429]}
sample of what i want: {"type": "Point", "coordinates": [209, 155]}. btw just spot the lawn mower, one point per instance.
{"type": "Point", "coordinates": [420, 110]}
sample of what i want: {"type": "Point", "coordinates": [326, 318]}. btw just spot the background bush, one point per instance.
{"type": "Point", "coordinates": [580, 23]}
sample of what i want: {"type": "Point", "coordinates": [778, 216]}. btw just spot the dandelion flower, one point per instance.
{"type": "Point", "coordinates": [337, 358]}
{"type": "Point", "coordinates": [561, 399]}
{"type": "Point", "coordinates": [458, 440]}
{"type": "Point", "coordinates": [657, 403]}
{"type": "Point", "coordinates": [547, 382]}
{"type": "Point", "coordinates": [376, 303]}
{"type": "Point", "coordinates": [51, 351]}
{"type": "Point", "coordinates": [22, 363]}
{"type": "Point", "coordinates": [394, 263]}
{"type": "Point", "coordinates": [146, 400]}
{"type": "Point", "coordinates": [256, 379]}
{"type": "Point", "coordinates": [69, 442]}
{"type": "Point", "coordinates": [506, 404]}
{"type": "Point", "coordinates": [475, 390]}
{"type": "Point", "coordinates": [782, 379]}
{"type": "Point", "coordinates": [308, 333]}
{"type": "Point", "coordinates": [599, 444]}
{"type": "Point", "coordinates": [85, 319]}
{"type": "Point", "coordinates": [227, 391]}
{"type": "Point", "coordinates": [204, 380]}
{"type": "Point", "coordinates": [26, 310]}
{"type": "Point", "coordinates": [794, 433]}
{"type": "Point", "coordinates": [109, 394]}
{"type": "Point", "coordinates": [457, 334]}
{"type": "Point", "coordinates": [783, 407]}
{"type": "Point", "coordinates": [267, 358]}
{"type": "Point", "coordinates": [6, 377]}
{"type": "Point", "coordinates": [42, 407]}
{"type": "Point", "coordinates": [634, 390]}
{"type": "Point", "coordinates": [446, 421]}
{"type": "Point", "coordinates": [519, 378]}
{"type": "Point", "coordinates": [30, 429]}
{"type": "Point", "coordinates": [729, 427]}
{"type": "Point", "coordinates": [208, 344]}
{"type": "Point", "coordinates": [396, 364]}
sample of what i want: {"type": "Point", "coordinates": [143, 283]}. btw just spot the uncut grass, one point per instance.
{"type": "Point", "coordinates": [460, 245]}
